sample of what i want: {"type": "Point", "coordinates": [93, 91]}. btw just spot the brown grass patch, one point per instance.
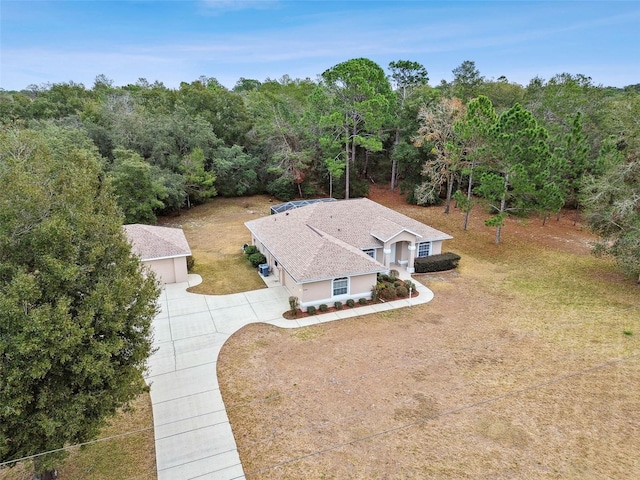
{"type": "Point", "coordinates": [519, 368]}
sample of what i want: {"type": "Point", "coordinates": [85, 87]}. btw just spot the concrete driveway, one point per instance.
{"type": "Point", "coordinates": [193, 436]}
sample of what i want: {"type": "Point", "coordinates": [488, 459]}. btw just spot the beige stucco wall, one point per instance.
{"type": "Point", "coordinates": [294, 288]}
{"type": "Point", "coordinates": [316, 292]}
{"type": "Point", "coordinates": [402, 252]}
{"type": "Point", "coordinates": [436, 247]}
{"type": "Point", "coordinates": [360, 286]}
{"type": "Point", "coordinates": [169, 270]}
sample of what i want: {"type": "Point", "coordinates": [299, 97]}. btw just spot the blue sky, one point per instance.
{"type": "Point", "coordinates": [172, 41]}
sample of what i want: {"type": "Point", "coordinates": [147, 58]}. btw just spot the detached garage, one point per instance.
{"type": "Point", "coordinates": [164, 250]}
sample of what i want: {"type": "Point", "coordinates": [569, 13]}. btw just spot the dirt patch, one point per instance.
{"type": "Point", "coordinates": [519, 368]}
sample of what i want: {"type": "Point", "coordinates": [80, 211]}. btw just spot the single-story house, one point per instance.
{"type": "Point", "coordinates": [163, 249]}
{"type": "Point", "coordinates": [332, 251]}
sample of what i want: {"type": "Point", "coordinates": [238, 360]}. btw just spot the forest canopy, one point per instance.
{"type": "Point", "coordinates": [512, 149]}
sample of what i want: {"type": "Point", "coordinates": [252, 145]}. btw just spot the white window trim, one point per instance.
{"type": "Point", "coordinates": [371, 252]}
{"type": "Point", "coordinates": [429, 247]}
{"type": "Point", "coordinates": [333, 287]}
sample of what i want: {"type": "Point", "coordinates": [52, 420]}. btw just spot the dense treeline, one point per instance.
{"type": "Point", "coordinates": [559, 142]}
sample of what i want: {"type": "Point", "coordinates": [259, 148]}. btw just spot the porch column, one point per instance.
{"type": "Point", "coordinates": [412, 258]}
{"type": "Point", "coordinates": [386, 256]}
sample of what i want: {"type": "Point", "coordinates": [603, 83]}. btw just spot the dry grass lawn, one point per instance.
{"type": "Point", "coordinates": [525, 365]}
{"type": "Point", "coordinates": [125, 457]}
{"type": "Point", "coordinates": [216, 232]}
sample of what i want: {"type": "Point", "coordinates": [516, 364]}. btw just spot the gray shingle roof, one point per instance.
{"type": "Point", "coordinates": [151, 243]}
{"type": "Point", "coordinates": [325, 240]}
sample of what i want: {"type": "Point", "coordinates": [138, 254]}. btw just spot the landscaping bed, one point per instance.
{"type": "Point", "coordinates": [387, 289]}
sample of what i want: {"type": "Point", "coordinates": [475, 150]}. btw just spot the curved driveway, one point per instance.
{"type": "Point", "coordinates": [193, 436]}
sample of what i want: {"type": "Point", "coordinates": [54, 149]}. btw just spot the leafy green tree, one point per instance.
{"type": "Point", "coordinates": [171, 189]}
{"type": "Point", "coordinates": [139, 194]}
{"type": "Point", "coordinates": [199, 183]}
{"type": "Point", "coordinates": [359, 93]}
{"type": "Point", "coordinates": [612, 209]}
{"type": "Point", "coordinates": [437, 127]}
{"type": "Point", "coordinates": [473, 144]}
{"type": "Point", "coordinates": [281, 130]}
{"type": "Point", "coordinates": [502, 93]}
{"type": "Point", "coordinates": [466, 81]}
{"type": "Point", "coordinates": [406, 76]}
{"type": "Point", "coordinates": [75, 305]}
{"type": "Point", "coordinates": [519, 168]}
{"type": "Point", "coordinates": [235, 172]}
{"type": "Point", "coordinates": [573, 158]}
{"type": "Point", "coordinates": [13, 106]}
{"type": "Point", "coordinates": [224, 110]}
{"type": "Point", "coordinates": [153, 97]}
{"type": "Point", "coordinates": [622, 118]}
{"type": "Point", "coordinates": [246, 85]}
{"type": "Point", "coordinates": [554, 104]}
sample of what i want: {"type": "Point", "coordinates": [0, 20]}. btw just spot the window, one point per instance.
{"type": "Point", "coordinates": [371, 252]}
{"type": "Point", "coordinates": [340, 286]}
{"type": "Point", "coordinates": [424, 249]}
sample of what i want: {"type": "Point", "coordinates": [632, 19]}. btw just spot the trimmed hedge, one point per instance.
{"type": "Point", "coordinates": [436, 263]}
{"type": "Point", "coordinates": [257, 259]}
{"type": "Point", "coordinates": [250, 249]}
{"type": "Point", "coordinates": [387, 293]}
{"type": "Point", "coordinates": [311, 310]}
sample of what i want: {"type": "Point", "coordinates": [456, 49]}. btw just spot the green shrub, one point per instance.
{"type": "Point", "coordinates": [408, 284]}
{"type": "Point", "coordinates": [338, 305]}
{"type": "Point", "coordinates": [190, 263]}
{"type": "Point", "coordinates": [393, 274]}
{"type": "Point", "coordinates": [363, 301]}
{"type": "Point", "coordinates": [375, 293]}
{"type": "Point", "coordinates": [398, 283]}
{"type": "Point", "coordinates": [388, 293]}
{"type": "Point", "coordinates": [324, 307]}
{"type": "Point", "coordinates": [282, 188]}
{"type": "Point", "coordinates": [250, 250]}
{"type": "Point", "coordinates": [436, 263]}
{"type": "Point", "coordinates": [351, 303]}
{"type": "Point", "coordinates": [383, 277]}
{"type": "Point", "coordinates": [311, 310]}
{"type": "Point", "coordinates": [294, 304]}
{"type": "Point", "coordinates": [257, 259]}
{"type": "Point", "coordinates": [402, 291]}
